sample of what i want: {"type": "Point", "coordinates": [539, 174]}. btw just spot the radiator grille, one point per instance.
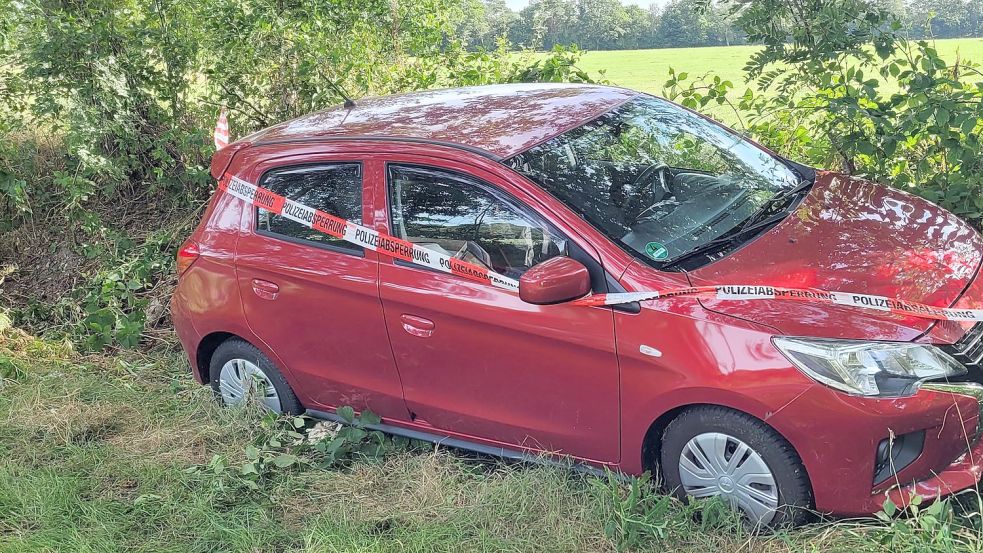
{"type": "Point", "coordinates": [969, 349]}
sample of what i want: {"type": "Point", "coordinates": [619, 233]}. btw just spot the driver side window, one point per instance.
{"type": "Point", "coordinates": [459, 216]}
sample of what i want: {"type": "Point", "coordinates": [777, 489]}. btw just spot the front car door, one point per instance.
{"type": "Point", "coordinates": [476, 361]}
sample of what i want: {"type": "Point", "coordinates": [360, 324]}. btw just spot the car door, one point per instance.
{"type": "Point", "coordinates": [475, 360]}
{"type": "Point", "coordinates": [313, 298]}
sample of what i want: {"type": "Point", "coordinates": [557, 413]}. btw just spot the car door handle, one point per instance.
{"type": "Point", "coordinates": [265, 289]}
{"type": "Point", "coordinates": [417, 326]}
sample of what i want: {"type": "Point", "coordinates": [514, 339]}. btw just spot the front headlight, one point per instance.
{"type": "Point", "coordinates": [885, 369]}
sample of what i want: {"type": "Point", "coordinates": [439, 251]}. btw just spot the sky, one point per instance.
{"type": "Point", "coordinates": [519, 4]}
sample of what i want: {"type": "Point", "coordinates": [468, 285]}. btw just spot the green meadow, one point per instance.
{"type": "Point", "coordinates": [648, 70]}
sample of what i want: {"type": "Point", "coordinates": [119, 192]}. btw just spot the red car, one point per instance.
{"type": "Point", "coordinates": [457, 262]}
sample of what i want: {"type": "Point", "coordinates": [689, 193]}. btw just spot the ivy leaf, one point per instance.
{"type": "Point", "coordinates": [252, 453]}
{"type": "Point", "coordinates": [285, 460]}
{"type": "Point", "coordinates": [368, 417]}
{"type": "Point", "coordinates": [347, 414]}
{"type": "Point", "coordinates": [890, 509]}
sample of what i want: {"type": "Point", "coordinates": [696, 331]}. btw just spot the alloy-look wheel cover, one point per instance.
{"type": "Point", "coordinates": [714, 464]}
{"type": "Point", "coordinates": [240, 379]}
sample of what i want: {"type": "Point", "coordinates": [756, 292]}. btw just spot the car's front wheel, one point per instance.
{"type": "Point", "coordinates": [240, 372]}
{"type": "Point", "coordinates": [719, 452]}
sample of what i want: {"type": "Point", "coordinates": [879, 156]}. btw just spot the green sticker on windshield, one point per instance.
{"type": "Point", "coordinates": [656, 251]}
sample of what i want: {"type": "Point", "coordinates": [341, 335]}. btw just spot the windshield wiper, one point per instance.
{"type": "Point", "coordinates": [727, 238]}
{"type": "Point", "coordinates": [755, 222]}
{"type": "Point", "coordinates": [778, 199]}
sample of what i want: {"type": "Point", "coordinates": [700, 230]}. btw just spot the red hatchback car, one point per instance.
{"type": "Point", "coordinates": [427, 256]}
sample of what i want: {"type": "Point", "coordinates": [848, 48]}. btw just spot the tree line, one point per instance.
{"type": "Point", "coordinates": [611, 25]}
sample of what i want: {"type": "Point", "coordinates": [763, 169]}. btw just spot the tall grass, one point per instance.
{"type": "Point", "coordinates": [103, 453]}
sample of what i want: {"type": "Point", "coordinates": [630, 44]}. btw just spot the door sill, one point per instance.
{"type": "Point", "coordinates": [457, 443]}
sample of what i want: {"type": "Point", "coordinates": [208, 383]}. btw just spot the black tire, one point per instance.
{"type": "Point", "coordinates": [237, 348]}
{"type": "Point", "coordinates": [794, 490]}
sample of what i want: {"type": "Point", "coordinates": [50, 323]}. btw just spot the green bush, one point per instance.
{"type": "Point", "coordinates": [846, 90]}
{"type": "Point", "coordinates": [106, 111]}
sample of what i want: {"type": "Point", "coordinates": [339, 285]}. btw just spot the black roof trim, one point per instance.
{"type": "Point", "coordinates": [353, 138]}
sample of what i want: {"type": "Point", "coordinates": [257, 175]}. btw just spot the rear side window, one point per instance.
{"type": "Point", "coordinates": [334, 188]}
{"type": "Point", "coordinates": [462, 217]}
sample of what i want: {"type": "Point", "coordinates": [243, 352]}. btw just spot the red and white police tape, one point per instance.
{"type": "Point", "coordinates": [751, 292]}
{"type": "Point", "coordinates": [221, 134]}
{"type": "Point", "coordinates": [361, 235]}
{"type": "Point", "coordinates": [410, 252]}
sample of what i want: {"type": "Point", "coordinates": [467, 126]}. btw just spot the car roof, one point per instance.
{"type": "Point", "coordinates": [497, 120]}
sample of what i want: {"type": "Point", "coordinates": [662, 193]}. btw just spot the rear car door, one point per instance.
{"type": "Point", "coordinates": [475, 360]}
{"type": "Point", "coordinates": [312, 298]}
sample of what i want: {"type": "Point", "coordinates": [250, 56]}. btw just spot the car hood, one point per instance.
{"type": "Point", "coordinates": [851, 235]}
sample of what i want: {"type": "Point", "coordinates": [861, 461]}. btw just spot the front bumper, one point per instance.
{"type": "Point", "coordinates": [837, 438]}
{"type": "Point", "coordinates": [961, 474]}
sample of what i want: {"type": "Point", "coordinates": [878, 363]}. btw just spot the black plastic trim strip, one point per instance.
{"type": "Point", "coordinates": [355, 251]}
{"type": "Point", "coordinates": [458, 443]}
{"type": "Point", "coordinates": [386, 138]}
{"type": "Point", "coordinates": [898, 456]}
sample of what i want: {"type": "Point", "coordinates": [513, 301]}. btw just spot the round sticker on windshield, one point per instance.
{"type": "Point", "coordinates": [656, 251]}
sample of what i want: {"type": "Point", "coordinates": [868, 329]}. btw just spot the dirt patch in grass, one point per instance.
{"type": "Point", "coordinates": [67, 419]}
{"type": "Point", "coordinates": [410, 494]}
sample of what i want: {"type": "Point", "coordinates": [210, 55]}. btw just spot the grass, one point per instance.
{"type": "Point", "coordinates": [101, 453]}
{"type": "Point", "coordinates": [648, 70]}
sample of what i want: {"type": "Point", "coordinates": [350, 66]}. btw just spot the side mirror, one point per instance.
{"type": "Point", "coordinates": [555, 280]}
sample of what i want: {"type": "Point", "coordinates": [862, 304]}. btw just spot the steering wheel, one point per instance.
{"type": "Point", "coordinates": [478, 254]}
{"type": "Point", "coordinates": [660, 185]}
{"type": "Point", "coordinates": [659, 174]}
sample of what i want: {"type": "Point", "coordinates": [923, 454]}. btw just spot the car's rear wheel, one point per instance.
{"type": "Point", "coordinates": [239, 373]}
{"type": "Point", "coordinates": [719, 452]}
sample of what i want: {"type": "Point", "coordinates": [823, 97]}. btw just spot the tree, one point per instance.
{"type": "Point", "coordinates": [499, 20]}
{"type": "Point", "coordinates": [637, 25]}
{"type": "Point", "coordinates": [602, 24]}
{"type": "Point", "coordinates": [471, 24]}
{"type": "Point", "coordinates": [553, 22]}
{"type": "Point", "coordinates": [682, 23]}
{"type": "Point", "coordinates": [944, 18]}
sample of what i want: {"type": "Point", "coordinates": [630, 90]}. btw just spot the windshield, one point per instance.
{"type": "Point", "coordinates": [657, 178]}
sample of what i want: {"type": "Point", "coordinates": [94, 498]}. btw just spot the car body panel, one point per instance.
{"type": "Point", "coordinates": [590, 382]}
{"type": "Point", "coordinates": [497, 120]}
{"type": "Point", "coordinates": [701, 360]}
{"type": "Point", "coordinates": [325, 322]}
{"type": "Point", "coordinates": [206, 300]}
{"type": "Point", "coordinates": [491, 364]}
{"type": "Point", "coordinates": [948, 332]}
{"type": "Point", "coordinates": [836, 436]}
{"type": "Point", "coordinates": [850, 235]}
